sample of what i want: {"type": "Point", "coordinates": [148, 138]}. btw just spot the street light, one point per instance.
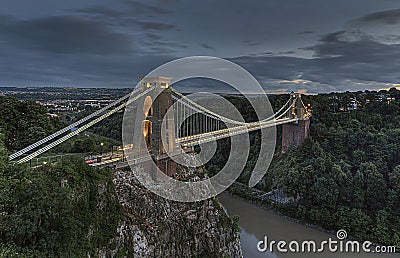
{"type": "Point", "coordinates": [99, 157]}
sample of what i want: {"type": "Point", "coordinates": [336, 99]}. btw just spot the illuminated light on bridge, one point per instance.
{"type": "Point", "coordinates": [189, 125]}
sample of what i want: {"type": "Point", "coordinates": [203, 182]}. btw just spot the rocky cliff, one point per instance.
{"type": "Point", "coordinates": [156, 227]}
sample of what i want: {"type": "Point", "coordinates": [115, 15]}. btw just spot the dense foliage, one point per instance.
{"type": "Point", "coordinates": [347, 174]}
{"type": "Point", "coordinates": [24, 122]}
{"type": "Point", "coordinates": [64, 210]}
{"type": "Point", "coordinates": [56, 211]}
{"type": "Point", "coordinates": [111, 127]}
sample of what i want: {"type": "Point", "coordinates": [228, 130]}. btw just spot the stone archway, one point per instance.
{"type": "Point", "coordinates": [147, 124]}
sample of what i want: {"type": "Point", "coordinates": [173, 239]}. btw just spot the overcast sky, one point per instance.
{"type": "Point", "coordinates": [308, 45]}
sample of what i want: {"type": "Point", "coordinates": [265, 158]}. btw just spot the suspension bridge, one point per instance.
{"type": "Point", "coordinates": [189, 124]}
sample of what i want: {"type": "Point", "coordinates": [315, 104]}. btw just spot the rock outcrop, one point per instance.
{"type": "Point", "coordinates": [157, 227]}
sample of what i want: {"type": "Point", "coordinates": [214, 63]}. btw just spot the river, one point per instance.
{"type": "Point", "coordinates": [256, 223]}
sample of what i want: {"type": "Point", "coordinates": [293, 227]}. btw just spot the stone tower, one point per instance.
{"type": "Point", "coordinates": [159, 136]}
{"type": "Point", "coordinates": [155, 112]}
{"type": "Point", "coordinates": [293, 134]}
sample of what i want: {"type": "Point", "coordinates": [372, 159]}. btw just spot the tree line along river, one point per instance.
{"type": "Point", "coordinates": [256, 223]}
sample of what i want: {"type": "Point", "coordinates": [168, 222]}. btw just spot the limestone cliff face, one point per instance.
{"type": "Point", "coordinates": [156, 227]}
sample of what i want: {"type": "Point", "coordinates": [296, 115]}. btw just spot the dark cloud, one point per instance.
{"type": "Point", "coordinates": [24, 68]}
{"type": "Point", "coordinates": [164, 48]}
{"type": "Point", "coordinates": [146, 25]}
{"type": "Point", "coordinates": [251, 43]}
{"type": "Point", "coordinates": [286, 52]}
{"type": "Point", "coordinates": [306, 32]}
{"type": "Point", "coordinates": [125, 18]}
{"type": "Point", "coordinates": [4, 19]}
{"type": "Point", "coordinates": [332, 37]}
{"type": "Point", "coordinates": [103, 11]}
{"type": "Point", "coordinates": [385, 17]}
{"type": "Point", "coordinates": [378, 26]}
{"type": "Point", "coordinates": [109, 43]}
{"type": "Point", "coordinates": [153, 36]}
{"type": "Point", "coordinates": [168, 1]}
{"type": "Point", "coordinates": [204, 45]}
{"type": "Point", "coordinates": [122, 18]}
{"type": "Point", "coordinates": [138, 7]}
{"type": "Point", "coordinates": [337, 66]}
{"type": "Point", "coordinates": [363, 50]}
{"type": "Point", "coordinates": [65, 34]}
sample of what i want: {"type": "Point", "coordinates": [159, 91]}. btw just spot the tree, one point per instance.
{"type": "Point", "coordinates": [40, 215]}
{"type": "Point", "coordinates": [355, 221]}
{"type": "Point", "coordinates": [394, 179]}
{"type": "Point", "coordinates": [325, 193]}
{"type": "Point", "coordinates": [24, 122]}
{"type": "Point", "coordinates": [380, 231]}
{"type": "Point", "coordinates": [371, 186]}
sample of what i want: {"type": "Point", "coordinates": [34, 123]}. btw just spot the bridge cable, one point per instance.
{"type": "Point", "coordinates": [81, 129]}
{"type": "Point", "coordinates": [216, 116]}
{"type": "Point", "coordinates": [72, 126]}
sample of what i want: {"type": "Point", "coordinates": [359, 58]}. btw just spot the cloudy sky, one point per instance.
{"type": "Point", "coordinates": [308, 45]}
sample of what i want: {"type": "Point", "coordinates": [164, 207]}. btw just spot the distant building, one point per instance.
{"type": "Point", "coordinates": [353, 104]}
{"type": "Point", "coordinates": [390, 99]}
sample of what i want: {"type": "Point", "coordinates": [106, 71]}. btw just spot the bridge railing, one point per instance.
{"type": "Point", "coordinates": [192, 121]}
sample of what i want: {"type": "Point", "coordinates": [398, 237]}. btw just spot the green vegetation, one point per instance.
{"type": "Point", "coordinates": [111, 127]}
{"type": "Point", "coordinates": [24, 122]}
{"type": "Point", "coordinates": [85, 143]}
{"type": "Point", "coordinates": [347, 174]}
{"type": "Point", "coordinates": [65, 210]}
{"type": "Point", "coordinates": [57, 211]}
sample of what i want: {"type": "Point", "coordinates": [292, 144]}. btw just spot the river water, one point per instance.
{"type": "Point", "coordinates": [256, 223]}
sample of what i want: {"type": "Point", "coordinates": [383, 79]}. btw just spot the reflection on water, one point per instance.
{"type": "Point", "coordinates": [256, 223]}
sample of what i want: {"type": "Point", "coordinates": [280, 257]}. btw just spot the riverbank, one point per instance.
{"type": "Point", "coordinates": [252, 196]}
{"type": "Point", "coordinates": [257, 223]}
